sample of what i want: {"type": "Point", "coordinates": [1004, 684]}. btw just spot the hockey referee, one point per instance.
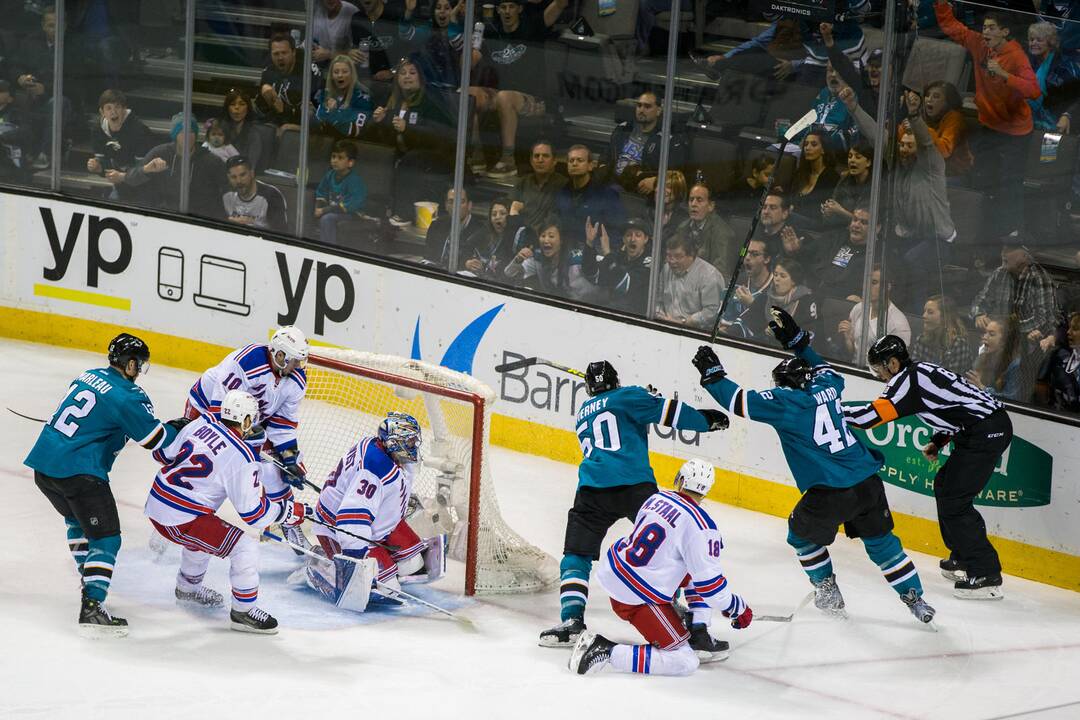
{"type": "Point", "coordinates": [980, 430]}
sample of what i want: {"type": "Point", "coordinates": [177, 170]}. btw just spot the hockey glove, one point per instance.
{"type": "Point", "coordinates": [653, 391]}
{"type": "Point", "coordinates": [178, 424]}
{"type": "Point", "coordinates": [293, 471]}
{"type": "Point", "coordinates": [743, 619]}
{"type": "Point", "coordinates": [293, 514]}
{"type": "Point", "coordinates": [717, 419]}
{"type": "Point", "coordinates": [787, 331]}
{"type": "Point", "coordinates": [708, 365]}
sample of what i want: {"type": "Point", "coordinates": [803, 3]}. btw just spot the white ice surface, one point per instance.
{"type": "Point", "coordinates": [1016, 658]}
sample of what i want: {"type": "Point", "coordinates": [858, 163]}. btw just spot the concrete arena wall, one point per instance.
{"type": "Point", "coordinates": [74, 275]}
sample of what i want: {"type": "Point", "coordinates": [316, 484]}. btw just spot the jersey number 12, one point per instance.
{"type": "Point", "coordinates": [84, 403]}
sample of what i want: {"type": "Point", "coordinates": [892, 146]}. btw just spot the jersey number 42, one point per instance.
{"type": "Point", "coordinates": [830, 429]}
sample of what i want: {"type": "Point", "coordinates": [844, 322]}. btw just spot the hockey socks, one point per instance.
{"type": "Point", "coordinates": [574, 586]}
{"type": "Point", "coordinates": [814, 558]}
{"type": "Point", "coordinates": [97, 568]}
{"type": "Point", "coordinates": [649, 660]}
{"type": "Point", "coordinates": [894, 563]}
{"type": "Point", "coordinates": [78, 545]}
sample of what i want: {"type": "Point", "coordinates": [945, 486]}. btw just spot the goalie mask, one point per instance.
{"type": "Point", "coordinates": [399, 433]}
{"type": "Point", "coordinates": [292, 344]}
{"type": "Point", "coordinates": [238, 406]}
{"type": "Point", "coordinates": [696, 476]}
{"type": "Point", "coordinates": [794, 373]}
{"type": "Point", "coordinates": [600, 377]}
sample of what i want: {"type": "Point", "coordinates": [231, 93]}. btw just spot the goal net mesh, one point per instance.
{"type": "Point", "coordinates": [348, 395]}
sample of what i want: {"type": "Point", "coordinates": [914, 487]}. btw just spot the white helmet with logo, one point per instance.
{"type": "Point", "coordinates": [696, 476]}
{"type": "Point", "coordinates": [291, 342]}
{"type": "Point", "coordinates": [239, 405]}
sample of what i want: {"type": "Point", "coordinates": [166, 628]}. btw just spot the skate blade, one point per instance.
{"type": "Point", "coordinates": [241, 627]}
{"type": "Point", "coordinates": [704, 656]}
{"type": "Point", "coordinates": [99, 632]}
{"type": "Point", "coordinates": [987, 593]}
{"type": "Point", "coordinates": [413, 579]}
{"type": "Point", "coordinates": [581, 643]}
{"type": "Point", "coordinates": [835, 614]}
{"type": "Point", "coordinates": [552, 642]}
{"type": "Point", "coordinates": [954, 576]}
{"type": "Point", "coordinates": [195, 604]}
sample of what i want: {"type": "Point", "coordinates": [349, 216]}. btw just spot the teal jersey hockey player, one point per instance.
{"type": "Point", "coordinates": [73, 455]}
{"type": "Point", "coordinates": [836, 473]}
{"type": "Point", "coordinates": [614, 478]}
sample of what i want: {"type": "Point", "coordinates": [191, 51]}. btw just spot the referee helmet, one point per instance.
{"type": "Point", "coordinates": [885, 348]}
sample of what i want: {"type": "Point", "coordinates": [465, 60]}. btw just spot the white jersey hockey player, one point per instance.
{"type": "Point", "coordinates": [673, 540]}
{"type": "Point", "coordinates": [206, 464]}
{"type": "Point", "coordinates": [367, 496]}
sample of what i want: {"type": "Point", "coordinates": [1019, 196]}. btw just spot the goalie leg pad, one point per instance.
{"type": "Point", "coordinates": [433, 562]}
{"type": "Point", "coordinates": [354, 579]}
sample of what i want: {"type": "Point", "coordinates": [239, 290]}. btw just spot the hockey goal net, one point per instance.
{"type": "Point", "coordinates": [348, 395]}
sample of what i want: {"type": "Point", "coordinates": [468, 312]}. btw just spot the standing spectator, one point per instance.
{"type": "Point", "coordinates": [281, 86]}
{"type": "Point", "coordinates": [834, 124]}
{"type": "Point", "coordinates": [586, 197]}
{"type": "Point", "coordinates": [533, 195]}
{"type": "Point", "coordinates": [494, 249]}
{"type": "Point", "coordinates": [815, 177]}
{"type": "Point", "coordinates": [1004, 82]}
{"type": "Point", "coordinates": [344, 106]}
{"type": "Point", "coordinates": [867, 82]}
{"type": "Point", "coordinates": [634, 150]}
{"type": "Point", "coordinates": [896, 323]}
{"type": "Point", "coordinates": [853, 188]}
{"type": "Point", "coordinates": [514, 45]}
{"type": "Point", "coordinates": [713, 237]}
{"type": "Point", "coordinates": [944, 338]}
{"type": "Point", "coordinates": [245, 134]}
{"type": "Point", "coordinates": [690, 287]}
{"type": "Point", "coordinates": [624, 273]}
{"type": "Point", "coordinates": [376, 27]}
{"type": "Point", "coordinates": [422, 128]}
{"type": "Point", "coordinates": [118, 140]}
{"type": "Point", "coordinates": [341, 193]}
{"type": "Point", "coordinates": [439, 41]}
{"type": "Point", "coordinates": [331, 33]}
{"type": "Point", "coordinates": [1058, 75]}
{"type": "Point", "coordinates": [160, 174]}
{"type": "Point", "coordinates": [673, 211]}
{"type": "Point", "coordinates": [1062, 372]}
{"type": "Point", "coordinates": [997, 368]}
{"type": "Point", "coordinates": [841, 273]}
{"type": "Point", "coordinates": [437, 249]}
{"type": "Point", "coordinates": [942, 109]}
{"type": "Point", "coordinates": [787, 291]}
{"type": "Point", "coordinates": [554, 268]}
{"type": "Point", "coordinates": [217, 141]}
{"type": "Point", "coordinates": [252, 202]}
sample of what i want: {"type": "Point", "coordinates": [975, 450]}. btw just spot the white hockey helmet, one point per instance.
{"type": "Point", "coordinates": [291, 342]}
{"type": "Point", "coordinates": [696, 476]}
{"type": "Point", "coordinates": [239, 405]}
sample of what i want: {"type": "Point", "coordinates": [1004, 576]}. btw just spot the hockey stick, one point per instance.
{"type": "Point", "coordinates": [26, 417]}
{"type": "Point", "coordinates": [801, 124]}
{"type": "Point", "coordinates": [529, 362]}
{"type": "Point", "coordinates": [409, 596]}
{"type": "Point", "coordinates": [786, 618]}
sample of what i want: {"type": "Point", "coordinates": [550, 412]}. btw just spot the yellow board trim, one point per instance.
{"type": "Point", "coordinates": [1017, 558]}
{"type": "Point", "coordinates": [82, 296]}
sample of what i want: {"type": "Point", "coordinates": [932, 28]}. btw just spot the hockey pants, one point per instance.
{"type": "Point", "coordinates": [668, 651]}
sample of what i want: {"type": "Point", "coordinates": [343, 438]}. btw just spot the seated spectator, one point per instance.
{"type": "Point", "coordinates": [437, 250]}
{"type": "Point", "coordinates": [281, 87]}
{"type": "Point", "coordinates": [674, 208]}
{"type": "Point", "coordinates": [625, 272]}
{"type": "Point", "coordinates": [841, 273]}
{"type": "Point", "coordinates": [119, 140]}
{"type": "Point", "coordinates": [33, 65]}
{"type": "Point", "coordinates": [244, 132]}
{"type": "Point", "coordinates": [504, 236]}
{"type": "Point", "coordinates": [554, 267]}
{"type": "Point", "coordinates": [377, 38]}
{"type": "Point", "coordinates": [788, 291]}
{"type": "Point", "coordinates": [634, 151]}
{"type": "Point", "coordinates": [853, 188]}
{"type": "Point", "coordinates": [14, 137]}
{"type": "Point", "coordinates": [713, 237]}
{"type": "Point", "coordinates": [533, 196]}
{"type": "Point", "coordinates": [690, 287]}
{"type": "Point", "coordinates": [896, 323]}
{"type": "Point", "coordinates": [343, 106]}
{"type": "Point", "coordinates": [944, 338]}
{"type": "Point", "coordinates": [1020, 287]}
{"type": "Point", "coordinates": [514, 47]}
{"type": "Point", "coordinates": [815, 177]}
{"type": "Point", "coordinates": [1058, 74]}
{"type": "Point", "coordinates": [341, 193]}
{"type": "Point", "coordinates": [586, 197]}
{"type": "Point", "coordinates": [757, 268]}
{"type": "Point", "coordinates": [997, 367]}
{"type": "Point", "coordinates": [331, 33]}
{"type": "Point", "coordinates": [252, 202]}
{"type": "Point", "coordinates": [745, 197]}
{"type": "Point", "coordinates": [217, 140]}
{"type": "Point", "coordinates": [777, 229]}
{"type": "Point", "coordinates": [942, 109]}
{"type": "Point", "coordinates": [1062, 373]}
{"type": "Point", "coordinates": [439, 39]}
{"type": "Point", "coordinates": [159, 174]}
{"type": "Point", "coordinates": [422, 128]}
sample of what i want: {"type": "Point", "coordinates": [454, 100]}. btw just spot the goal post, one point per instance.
{"type": "Point", "coordinates": [350, 392]}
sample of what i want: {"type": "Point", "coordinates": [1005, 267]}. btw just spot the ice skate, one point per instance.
{"type": "Point", "coordinates": [828, 599]}
{"type": "Point", "coordinates": [708, 648]}
{"type": "Point", "coordinates": [255, 620]}
{"type": "Point", "coordinates": [918, 607]}
{"type": "Point", "coordinates": [201, 596]}
{"type": "Point", "coordinates": [591, 654]}
{"type": "Point", "coordinates": [952, 570]}
{"type": "Point", "coordinates": [565, 634]}
{"type": "Point", "coordinates": [982, 587]}
{"type": "Point", "coordinates": [97, 622]}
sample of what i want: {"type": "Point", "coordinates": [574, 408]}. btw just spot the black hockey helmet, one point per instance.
{"type": "Point", "coordinates": [126, 347]}
{"type": "Point", "coordinates": [794, 373]}
{"type": "Point", "coordinates": [600, 377]}
{"type": "Point", "coordinates": [885, 348]}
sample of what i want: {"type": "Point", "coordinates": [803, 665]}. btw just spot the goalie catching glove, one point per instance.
{"type": "Point", "coordinates": [787, 331]}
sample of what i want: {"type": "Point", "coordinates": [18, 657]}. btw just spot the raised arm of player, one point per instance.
{"type": "Point", "coordinates": [768, 407]}
{"type": "Point", "coordinates": [672, 412]}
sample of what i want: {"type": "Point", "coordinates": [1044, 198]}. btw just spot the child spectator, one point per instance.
{"type": "Point", "coordinates": [119, 138]}
{"type": "Point", "coordinates": [944, 338]}
{"type": "Point", "coordinates": [341, 192]}
{"type": "Point", "coordinates": [997, 368]}
{"type": "Point", "coordinates": [344, 105]}
{"type": "Point", "coordinates": [217, 141]}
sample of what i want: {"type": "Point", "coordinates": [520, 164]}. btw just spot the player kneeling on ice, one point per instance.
{"type": "Point", "coordinates": [363, 505]}
{"type": "Point", "coordinates": [273, 373]}
{"type": "Point", "coordinates": [207, 463]}
{"type": "Point", "coordinates": [674, 544]}
{"type": "Point", "coordinates": [836, 473]}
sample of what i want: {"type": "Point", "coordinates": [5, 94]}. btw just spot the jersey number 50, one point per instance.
{"type": "Point", "coordinates": [604, 435]}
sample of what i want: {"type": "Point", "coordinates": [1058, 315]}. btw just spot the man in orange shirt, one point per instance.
{"type": "Point", "coordinates": [1004, 81]}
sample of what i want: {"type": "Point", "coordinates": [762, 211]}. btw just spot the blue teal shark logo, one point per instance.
{"type": "Point", "coordinates": [461, 352]}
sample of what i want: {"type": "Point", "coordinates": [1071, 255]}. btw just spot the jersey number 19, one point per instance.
{"type": "Point", "coordinates": [602, 435]}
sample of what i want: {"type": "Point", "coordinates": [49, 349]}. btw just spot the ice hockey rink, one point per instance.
{"type": "Point", "coordinates": [1018, 658]}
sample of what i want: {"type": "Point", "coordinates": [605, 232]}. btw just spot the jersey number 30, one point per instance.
{"type": "Point", "coordinates": [604, 435]}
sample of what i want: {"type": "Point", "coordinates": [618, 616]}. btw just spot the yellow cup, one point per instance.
{"type": "Point", "coordinates": [425, 214]}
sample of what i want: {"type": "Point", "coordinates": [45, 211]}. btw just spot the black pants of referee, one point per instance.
{"type": "Point", "coordinates": [975, 454]}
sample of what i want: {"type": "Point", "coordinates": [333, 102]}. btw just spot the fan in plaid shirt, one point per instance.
{"type": "Point", "coordinates": [1022, 288]}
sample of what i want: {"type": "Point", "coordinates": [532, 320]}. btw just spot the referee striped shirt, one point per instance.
{"type": "Point", "coordinates": [946, 402]}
